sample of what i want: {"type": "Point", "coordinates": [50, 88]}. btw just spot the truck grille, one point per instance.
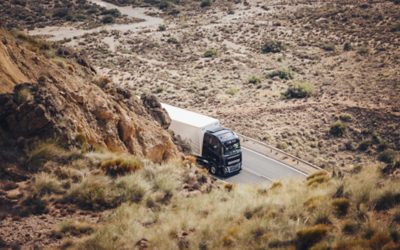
{"type": "Point", "coordinates": [233, 168]}
{"type": "Point", "coordinates": [233, 162]}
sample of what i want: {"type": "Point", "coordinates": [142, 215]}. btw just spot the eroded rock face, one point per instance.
{"type": "Point", "coordinates": [153, 106]}
{"type": "Point", "coordinates": [104, 118]}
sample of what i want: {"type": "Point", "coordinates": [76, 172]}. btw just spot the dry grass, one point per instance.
{"type": "Point", "coordinates": [74, 228]}
{"type": "Point", "coordinates": [288, 215]}
{"type": "Point", "coordinates": [45, 183]}
{"type": "Point", "coordinates": [121, 165]}
{"type": "Point", "coordinates": [43, 152]}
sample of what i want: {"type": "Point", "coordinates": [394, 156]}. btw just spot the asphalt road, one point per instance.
{"type": "Point", "coordinates": [259, 169]}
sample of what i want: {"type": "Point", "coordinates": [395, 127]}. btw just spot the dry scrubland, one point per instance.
{"type": "Point", "coordinates": [23, 14]}
{"type": "Point", "coordinates": [316, 79]}
{"type": "Point", "coordinates": [293, 69]}
{"type": "Point", "coordinates": [104, 200]}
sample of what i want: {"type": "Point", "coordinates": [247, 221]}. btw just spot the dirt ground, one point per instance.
{"type": "Point", "coordinates": [348, 52]}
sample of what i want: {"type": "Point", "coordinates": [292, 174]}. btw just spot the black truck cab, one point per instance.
{"type": "Point", "coordinates": [221, 151]}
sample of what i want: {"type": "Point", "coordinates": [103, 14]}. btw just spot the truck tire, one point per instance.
{"type": "Point", "coordinates": [213, 169]}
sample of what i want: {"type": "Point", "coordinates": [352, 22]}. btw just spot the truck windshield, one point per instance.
{"type": "Point", "coordinates": [232, 147]}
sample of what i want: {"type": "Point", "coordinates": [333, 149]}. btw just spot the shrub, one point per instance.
{"type": "Point", "coordinates": [387, 156]}
{"type": "Point", "coordinates": [205, 3]}
{"type": "Point", "coordinates": [33, 204]}
{"type": "Point", "coordinates": [387, 200]}
{"type": "Point", "coordinates": [121, 165]}
{"type": "Point", "coordinates": [328, 47]}
{"type": "Point", "coordinates": [44, 152]}
{"type": "Point", "coordinates": [46, 184]}
{"type": "Point", "coordinates": [299, 90]}
{"type": "Point", "coordinates": [347, 46]}
{"type": "Point", "coordinates": [254, 80]}
{"type": "Point", "coordinates": [210, 53]}
{"type": "Point", "coordinates": [271, 46]}
{"type": "Point", "coordinates": [162, 27]}
{"type": "Point", "coordinates": [282, 74]}
{"type": "Point", "coordinates": [112, 12]}
{"type": "Point", "coordinates": [107, 19]}
{"type": "Point", "coordinates": [92, 193]}
{"type": "Point", "coordinates": [309, 236]}
{"type": "Point", "coordinates": [345, 117]}
{"type": "Point", "coordinates": [75, 228]}
{"type": "Point", "coordinates": [282, 145]}
{"type": "Point", "coordinates": [232, 91]}
{"type": "Point", "coordinates": [172, 40]}
{"type": "Point", "coordinates": [364, 145]}
{"type": "Point", "coordinates": [341, 206]}
{"type": "Point", "coordinates": [338, 129]}
{"type": "Point", "coordinates": [61, 13]}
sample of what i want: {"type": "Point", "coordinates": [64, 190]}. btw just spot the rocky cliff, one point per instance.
{"type": "Point", "coordinates": [51, 93]}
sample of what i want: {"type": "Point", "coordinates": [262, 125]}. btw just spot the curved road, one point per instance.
{"type": "Point", "coordinates": [260, 169]}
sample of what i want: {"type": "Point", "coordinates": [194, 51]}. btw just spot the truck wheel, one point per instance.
{"type": "Point", "coordinates": [213, 169]}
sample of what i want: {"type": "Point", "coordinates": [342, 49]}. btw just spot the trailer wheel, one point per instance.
{"type": "Point", "coordinates": [213, 169]}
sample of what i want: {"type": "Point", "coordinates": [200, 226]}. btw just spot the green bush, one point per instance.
{"type": "Point", "coordinates": [254, 80]}
{"type": "Point", "coordinates": [272, 46]}
{"type": "Point", "coordinates": [387, 156]}
{"type": "Point", "coordinates": [299, 90]}
{"type": "Point", "coordinates": [172, 40]}
{"type": "Point", "coordinates": [210, 53]}
{"type": "Point", "coordinates": [338, 129]}
{"type": "Point", "coordinates": [112, 12]}
{"type": "Point", "coordinates": [347, 46]}
{"type": "Point", "coordinates": [107, 19]}
{"type": "Point", "coordinates": [205, 3]}
{"type": "Point", "coordinates": [328, 47]}
{"type": "Point", "coordinates": [162, 27]}
{"type": "Point", "coordinates": [282, 74]}
{"type": "Point", "coordinates": [345, 117]}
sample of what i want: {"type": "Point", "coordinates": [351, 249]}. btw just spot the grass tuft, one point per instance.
{"type": "Point", "coordinates": [307, 237]}
{"type": "Point", "coordinates": [341, 206]}
{"type": "Point", "coordinates": [45, 183]}
{"type": "Point", "coordinates": [121, 165]}
{"type": "Point", "coordinates": [299, 90]}
{"type": "Point", "coordinates": [338, 129]}
{"type": "Point", "coordinates": [44, 152]}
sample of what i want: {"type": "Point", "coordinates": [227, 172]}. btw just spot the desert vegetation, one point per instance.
{"type": "Point", "coordinates": [289, 215]}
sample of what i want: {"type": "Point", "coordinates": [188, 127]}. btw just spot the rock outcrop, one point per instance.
{"type": "Point", "coordinates": [66, 104]}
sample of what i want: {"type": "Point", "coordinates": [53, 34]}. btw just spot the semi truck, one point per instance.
{"type": "Point", "coordinates": [215, 147]}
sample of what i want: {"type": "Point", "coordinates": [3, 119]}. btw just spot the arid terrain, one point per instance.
{"type": "Point", "coordinates": [86, 164]}
{"type": "Point", "coordinates": [347, 52]}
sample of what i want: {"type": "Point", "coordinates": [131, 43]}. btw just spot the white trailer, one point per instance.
{"type": "Point", "coordinates": [190, 126]}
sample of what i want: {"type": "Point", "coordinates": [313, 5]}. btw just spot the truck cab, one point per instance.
{"type": "Point", "coordinates": [214, 146]}
{"type": "Point", "coordinates": [221, 151]}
